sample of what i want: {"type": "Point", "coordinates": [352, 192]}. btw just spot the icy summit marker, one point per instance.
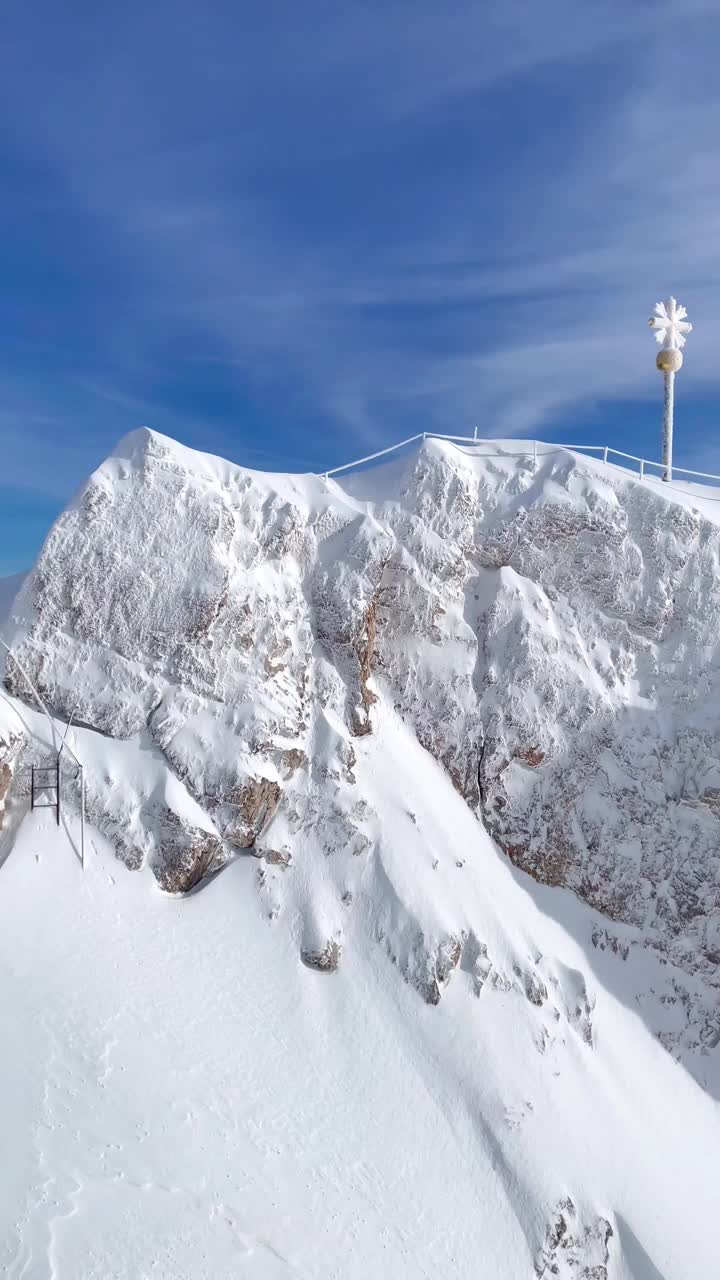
{"type": "Point", "coordinates": [670, 324]}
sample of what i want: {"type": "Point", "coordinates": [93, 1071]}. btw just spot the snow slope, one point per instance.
{"type": "Point", "coordinates": [183, 1099]}
{"type": "Point", "coordinates": [355, 684]}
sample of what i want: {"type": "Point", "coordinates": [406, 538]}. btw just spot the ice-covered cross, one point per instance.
{"type": "Point", "coordinates": [670, 325]}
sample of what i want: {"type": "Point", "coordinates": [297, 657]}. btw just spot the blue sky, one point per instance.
{"type": "Point", "coordinates": [291, 233]}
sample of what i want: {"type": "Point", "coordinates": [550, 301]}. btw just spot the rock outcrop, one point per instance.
{"type": "Point", "coordinates": [11, 747]}
{"type": "Point", "coordinates": [184, 855]}
{"type": "Point", "coordinates": [548, 631]}
{"type": "Point", "coordinates": [325, 961]}
{"type": "Point", "coordinates": [575, 1249]}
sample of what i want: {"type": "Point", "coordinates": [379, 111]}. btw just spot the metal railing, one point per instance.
{"type": "Point", "coordinates": [535, 449]}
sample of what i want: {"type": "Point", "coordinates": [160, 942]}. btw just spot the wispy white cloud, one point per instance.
{"type": "Point", "coordinates": [534, 176]}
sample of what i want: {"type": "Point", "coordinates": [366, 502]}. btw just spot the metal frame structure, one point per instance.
{"type": "Point", "coordinates": [80, 773]}
{"type": "Point", "coordinates": [38, 787]}
{"type": "Point", "coordinates": [57, 767]}
{"type": "Point", "coordinates": [534, 449]}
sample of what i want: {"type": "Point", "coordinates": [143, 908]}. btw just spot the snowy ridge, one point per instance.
{"type": "Point", "coordinates": [543, 626]}
{"type": "Point", "coordinates": [356, 682]}
{"type": "Point", "coordinates": [520, 449]}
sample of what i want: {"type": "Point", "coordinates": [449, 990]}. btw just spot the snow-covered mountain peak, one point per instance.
{"type": "Point", "coordinates": [542, 625]}
{"type": "Point", "coordinates": [386, 698]}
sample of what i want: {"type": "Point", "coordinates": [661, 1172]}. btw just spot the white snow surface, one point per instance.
{"type": "Point", "coordinates": [182, 1098]}
{"type": "Point", "coordinates": [481, 1087]}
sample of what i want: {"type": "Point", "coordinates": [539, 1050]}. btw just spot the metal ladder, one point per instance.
{"type": "Point", "coordinates": [44, 780]}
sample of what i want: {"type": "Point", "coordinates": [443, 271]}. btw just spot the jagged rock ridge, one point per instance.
{"type": "Point", "coordinates": [549, 631]}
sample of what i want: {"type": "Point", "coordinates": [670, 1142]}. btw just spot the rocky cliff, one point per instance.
{"type": "Point", "coordinates": [548, 632]}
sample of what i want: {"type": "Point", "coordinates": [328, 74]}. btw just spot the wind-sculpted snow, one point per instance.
{"type": "Point", "coordinates": [549, 630]}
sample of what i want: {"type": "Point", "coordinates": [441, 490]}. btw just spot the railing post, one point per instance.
{"type": "Point", "coordinates": [82, 817]}
{"type": "Point", "coordinates": [535, 452]}
{"type": "Point", "coordinates": [669, 400]}
{"type": "Point", "coordinates": [642, 468]}
{"type": "Point", "coordinates": [605, 453]}
{"type": "Point", "coordinates": [475, 434]}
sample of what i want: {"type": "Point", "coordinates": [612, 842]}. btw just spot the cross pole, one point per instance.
{"type": "Point", "coordinates": [670, 324]}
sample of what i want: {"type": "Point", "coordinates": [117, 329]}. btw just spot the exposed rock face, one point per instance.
{"type": "Point", "coordinates": [5, 780]}
{"type": "Point", "coordinates": [550, 633]}
{"type": "Point", "coordinates": [246, 811]}
{"type": "Point", "coordinates": [429, 968]}
{"type": "Point", "coordinates": [611, 643]}
{"type": "Point", "coordinates": [276, 857]}
{"type": "Point", "coordinates": [551, 637]}
{"type": "Point", "coordinates": [11, 747]}
{"type": "Point", "coordinates": [574, 1249]}
{"type": "Point", "coordinates": [163, 603]}
{"type": "Point", "coordinates": [325, 961]}
{"type": "Point", "coordinates": [185, 854]}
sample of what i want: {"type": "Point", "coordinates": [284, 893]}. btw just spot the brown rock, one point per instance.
{"type": "Point", "coordinates": [10, 749]}
{"type": "Point", "coordinates": [5, 780]}
{"type": "Point", "coordinates": [248, 810]}
{"type": "Point", "coordinates": [185, 854]}
{"type": "Point", "coordinates": [325, 961]}
{"type": "Point", "coordinates": [366, 652]}
{"type": "Point", "coordinates": [292, 760]}
{"type": "Point", "coordinates": [532, 756]}
{"type": "Point", "coordinates": [276, 857]}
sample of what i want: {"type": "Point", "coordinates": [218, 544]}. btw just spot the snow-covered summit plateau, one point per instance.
{"type": "Point", "coordinates": [359, 683]}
